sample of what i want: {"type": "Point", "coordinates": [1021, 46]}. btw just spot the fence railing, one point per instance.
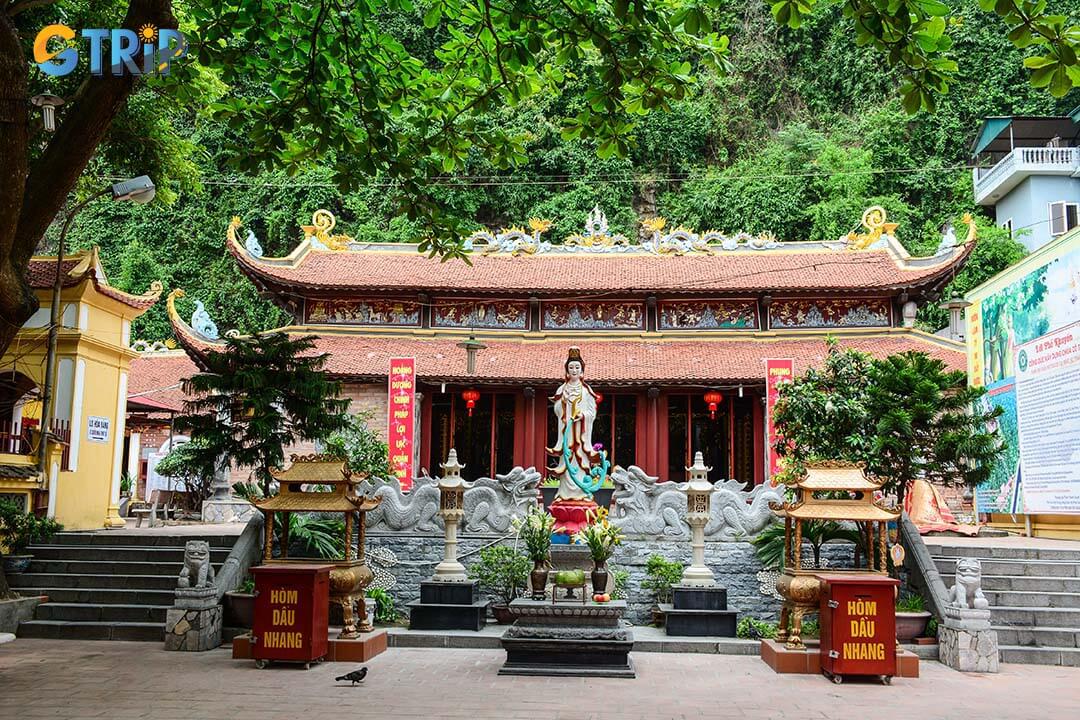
{"type": "Point", "coordinates": [1029, 159]}
{"type": "Point", "coordinates": [15, 439]}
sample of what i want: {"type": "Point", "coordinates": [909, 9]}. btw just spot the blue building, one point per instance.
{"type": "Point", "coordinates": [1027, 169]}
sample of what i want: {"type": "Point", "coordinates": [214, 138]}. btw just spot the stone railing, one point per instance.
{"type": "Point", "coordinates": [923, 569]}
{"type": "Point", "coordinates": [1050, 160]}
{"type": "Point", "coordinates": [246, 551]}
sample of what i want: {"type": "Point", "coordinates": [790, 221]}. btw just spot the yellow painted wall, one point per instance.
{"type": "Point", "coordinates": [96, 344]}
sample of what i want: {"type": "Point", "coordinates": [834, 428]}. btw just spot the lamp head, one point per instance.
{"type": "Point", "coordinates": [140, 190]}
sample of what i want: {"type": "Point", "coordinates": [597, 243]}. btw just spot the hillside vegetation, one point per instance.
{"type": "Point", "coordinates": [804, 134]}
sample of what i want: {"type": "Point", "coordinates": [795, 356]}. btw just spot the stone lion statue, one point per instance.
{"type": "Point", "coordinates": [197, 571]}
{"type": "Point", "coordinates": [966, 591]}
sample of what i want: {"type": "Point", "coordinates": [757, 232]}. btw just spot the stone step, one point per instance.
{"type": "Point", "coordinates": [1004, 553]}
{"type": "Point", "coordinates": [103, 596]}
{"type": "Point", "coordinates": [1036, 617]}
{"type": "Point", "coordinates": [1040, 655]}
{"type": "Point", "coordinates": [92, 612]}
{"type": "Point", "coordinates": [69, 630]}
{"type": "Point", "coordinates": [1034, 568]}
{"type": "Point", "coordinates": [1024, 583]}
{"type": "Point", "coordinates": [108, 567]}
{"type": "Point", "coordinates": [94, 581]}
{"type": "Point", "coordinates": [1038, 636]}
{"type": "Point", "coordinates": [113, 539]}
{"type": "Point", "coordinates": [1026, 598]}
{"type": "Point", "coordinates": [126, 553]}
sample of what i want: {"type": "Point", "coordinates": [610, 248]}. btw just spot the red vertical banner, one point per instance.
{"type": "Point", "coordinates": [401, 421]}
{"type": "Point", "coordinates": [777, 372]}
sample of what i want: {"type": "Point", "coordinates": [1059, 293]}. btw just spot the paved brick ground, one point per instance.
{"type": "Point", "coordinates": [57, 679]}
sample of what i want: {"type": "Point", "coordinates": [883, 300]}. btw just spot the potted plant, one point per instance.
{"type": "Point", "coordinates": [240, 605]}
{"type": "Point", "coordinates": [601, 537]}
{"type": "Point", "coordinates": [19, 529]}
{"type": "Point", "coordinates": [911, 618]}
{"type": "Point", "coordinates": [502, 572]}
{"type": "Point", "coordinates": [535, 531]}
{"type": "Point", "coordinates": [548, 489]}
{"type": "Point", "coordinates": [660, 575]}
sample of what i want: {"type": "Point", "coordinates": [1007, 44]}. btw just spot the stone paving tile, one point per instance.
{"type": "Point", "coordinates": [79, 679]}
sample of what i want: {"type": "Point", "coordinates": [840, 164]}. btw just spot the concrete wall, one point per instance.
{"type": "Point", "coordinates": [1028, 206]}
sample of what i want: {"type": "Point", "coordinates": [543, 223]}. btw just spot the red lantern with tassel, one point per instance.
{"type": "Point", "coordinates": [470, 397]}
{"type": "Point", "coordinates": [713, 399]}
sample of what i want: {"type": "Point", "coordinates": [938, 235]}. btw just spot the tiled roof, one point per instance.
{"type": "Point", "coordinates": [154, 380]}
{"type": "Point", "coordinates": [41, 275]}
{"type": "Point", "coordinates": [801, 268]}
{"type": "Point", "coordinates": [617, 361]}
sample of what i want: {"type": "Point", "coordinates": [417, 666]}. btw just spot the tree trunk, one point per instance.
{"type": "Point", "coordinates": [31, 197]}
{"type": "Point", "coordinates": [5, 591]}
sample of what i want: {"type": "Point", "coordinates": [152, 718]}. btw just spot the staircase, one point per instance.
{"type": "Point", "coordinates": [1034, 596]}
{"type": "Point", "coordinates": [106, 586]}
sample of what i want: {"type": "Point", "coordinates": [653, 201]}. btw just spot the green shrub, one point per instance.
{"type": "Point", "coordinates": [660, 575]}
{"type": "Point", "coordinates": [18, 529]}
{"type": "Point", "coordinates": [385, 610]}
{"type": "Point", "coordinates": [502, 572]}
{"type": "Point", "coordinates": [911, 603]}
{"type": "Point", "coordinates": [755, 629]}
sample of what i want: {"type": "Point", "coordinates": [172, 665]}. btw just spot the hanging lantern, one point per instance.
{"type": "Point", "coordinates": [470, 397]}
{"type": "Point", "coordinates": [713, 399]}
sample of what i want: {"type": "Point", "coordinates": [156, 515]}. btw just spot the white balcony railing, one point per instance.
{"type": "Point", "coordinates": [994, 181]}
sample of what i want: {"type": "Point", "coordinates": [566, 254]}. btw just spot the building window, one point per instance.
{"type": "Point", "coordinates": [1064, 216]}
{"type": "Point", "coordinates": [484, 441]}
{"type": "Point", "coordinates": [690, 430]}
{"type": "Point", "coordinates": [1008, 226]}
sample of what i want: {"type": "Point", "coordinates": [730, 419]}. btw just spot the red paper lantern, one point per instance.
{"type": "Point", "coordinates": [470, 397]}
{"type": "Point", "coordinates": [713, 398]}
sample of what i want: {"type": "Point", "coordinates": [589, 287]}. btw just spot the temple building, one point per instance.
{"type": "Point", "coordinates": [674, 328]}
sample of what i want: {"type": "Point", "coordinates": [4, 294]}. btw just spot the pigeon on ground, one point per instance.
{"type": "Point", "coordinates": [355, 676]}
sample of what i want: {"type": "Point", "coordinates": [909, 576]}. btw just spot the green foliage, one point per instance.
{"type": "Point", "coordinates": [769, 543]}
{"type": "Point", "coordinates": [248, 586]}
{"type": "Point", "coordinates": [660, 575]}
{"type": "Point", "coordinates": [314, 535]}
{"type": "Point", "coordinates": [366, 452]}
{"type": "Point", "coordinates": [126, 483]}
{"type": "Point", "coordinates": [18, 529]}
{"type": "Point", "coordinates": [753, 629]}
{"type": "Point", "coordinates": [260, 395]}
{"type": "Point", "coordinates": [905, 416]}
{"type": "Point", "coordinates": [386, 611]}
{"type": "Point", "coordinates": [535, 531]}
{"type": "Point", "coordinates": [621, 580]}
{"type": "Point", "coordinates": [502, 572]}
{"type": "Point", "coordinates": [191, 464]}
{"type": "Point", "coordinates": [911, 603]}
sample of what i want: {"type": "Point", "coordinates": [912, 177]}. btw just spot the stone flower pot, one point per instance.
{"type": "Point", "coordinates": [239, 609]}
{"type": "Point", "coordinates": [15, 564]}
{"type": "Point", "coordinates": [910, 625]}
{"type": "Point", "coordinates": [503, 614]}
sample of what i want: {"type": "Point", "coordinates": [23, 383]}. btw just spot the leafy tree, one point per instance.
{"type": "Point", "coordinates": [906, 416]}
{"type": "Point", "coordinates": [260, 395]}
{"type": "Point", "coordinates": [927, 424]}
{"type": "Point", "coordinates": [192, 465]}
{"type": "Point", "coordinates": [367, 453]}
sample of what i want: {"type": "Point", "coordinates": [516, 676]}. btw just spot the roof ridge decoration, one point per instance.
{"type": "Point", "coordinates": [318, 232]}
{"type": "Point", "coordinates": [201, 325]}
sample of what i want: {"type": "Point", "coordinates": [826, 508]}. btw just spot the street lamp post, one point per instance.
{"type": "Point", "coordinates": [140, 190]}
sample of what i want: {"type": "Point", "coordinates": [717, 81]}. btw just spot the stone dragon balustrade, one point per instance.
{"type": "Point", "coordinates": [491, 504]}
{"type": "Point", "coordinates": [642, 506]}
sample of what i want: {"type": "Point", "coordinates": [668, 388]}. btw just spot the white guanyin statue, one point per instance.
{"type": "Point", "coordinates": [581, 466]}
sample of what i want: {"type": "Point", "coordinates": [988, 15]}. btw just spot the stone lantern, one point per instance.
{"type": "Point", "coordinates": [452, 509]}
{"type": "Point", "coordinates": [698, 491]}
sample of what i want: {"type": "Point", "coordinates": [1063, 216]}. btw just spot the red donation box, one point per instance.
{"type": "Point", "coordinates": [858, 625]}
{"type": "Point", "coordinates": [292, 605]}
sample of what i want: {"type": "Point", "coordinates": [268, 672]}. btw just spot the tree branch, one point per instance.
{"type": "Point", "coordinates": [87, 120]}
{"type": "Point", "coordinates": [27, 5]}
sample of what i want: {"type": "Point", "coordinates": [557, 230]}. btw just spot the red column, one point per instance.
{"type": "Point", "coordinates": [425, 430]}
{"type": "Point", "coordinates": [759, 441]}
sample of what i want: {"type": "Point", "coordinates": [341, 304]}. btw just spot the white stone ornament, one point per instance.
{"type": "Point", "coordinates": [202, 323]}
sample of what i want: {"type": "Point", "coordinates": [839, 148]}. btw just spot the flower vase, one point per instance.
{"type": "Point", "coordinates": [599, 576]}
{"type": "Point", "coordinates": [538, 580]}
